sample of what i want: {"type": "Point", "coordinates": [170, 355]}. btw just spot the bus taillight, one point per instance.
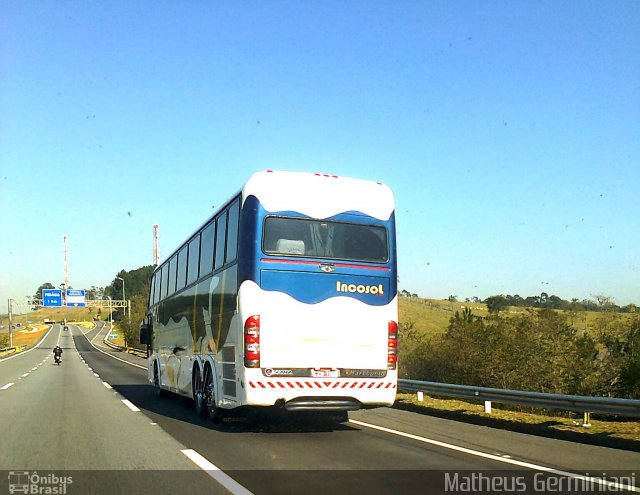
{"type": "Point", "coordinates": [392, 359]}
{"type": "Point", "coordinates": [252, 342]}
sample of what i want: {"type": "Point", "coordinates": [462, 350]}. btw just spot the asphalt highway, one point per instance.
{"type": "Point", "coordinates": [96, 418]}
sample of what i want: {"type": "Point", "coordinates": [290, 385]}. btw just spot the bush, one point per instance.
{"type": "Point", "coordinates": [539, 351]}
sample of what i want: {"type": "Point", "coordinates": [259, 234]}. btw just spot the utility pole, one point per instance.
{"type": "Point", "coordinates": [66, 267]}
{"type": "Point", "coordinates": [10, 324]}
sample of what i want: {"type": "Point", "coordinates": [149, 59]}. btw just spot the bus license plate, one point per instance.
{"type": "Point", "coordinates": [325, 373]}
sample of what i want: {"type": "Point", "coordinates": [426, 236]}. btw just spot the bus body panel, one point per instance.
{"type": "Point", "coordinates": [318, 195]}
{"type": "Point", "coordinates": [340, 332]}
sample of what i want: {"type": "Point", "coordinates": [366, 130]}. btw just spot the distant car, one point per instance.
{"type": "Point", "coordinates": [66, 327]}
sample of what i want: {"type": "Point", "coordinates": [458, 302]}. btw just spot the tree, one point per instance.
{"type": "Point", "coordinates": [46, 285]}
{"type": "Point", "coordinates": [135, 282]}
{"type": "Point", "coordinates": [131, 329]}
{"type": "Point", "coordinates": [95, 293]}
{"type": "Point", "coordinates": [495, 304]}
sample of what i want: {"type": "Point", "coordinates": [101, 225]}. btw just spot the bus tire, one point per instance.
{"type": "Point", "coordinates": [198, 393]}
{"type": "Point", "coordinates": [156, 382]}
{"type": "Point", "coordinates": [212, 409]}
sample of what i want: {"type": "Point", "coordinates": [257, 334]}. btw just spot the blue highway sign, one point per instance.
{"type": "Point", "coordinates": [76, 298]}
{"type": "Point", "coordinates": [51, 298]}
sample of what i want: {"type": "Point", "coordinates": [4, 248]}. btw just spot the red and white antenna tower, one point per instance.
{"type": "Point", "coordinates": [156, 248]}
{"type": "Point", "coordinates": [66, 267]}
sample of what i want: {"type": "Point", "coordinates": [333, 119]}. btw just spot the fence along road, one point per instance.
{"type": "Point", "coordinates": [579, 403]}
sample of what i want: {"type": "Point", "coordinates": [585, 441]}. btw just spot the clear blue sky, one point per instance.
{"type": "Point", "coordinates": [509, 132]}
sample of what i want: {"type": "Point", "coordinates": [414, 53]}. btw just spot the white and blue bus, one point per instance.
{"type": "Point", "coordinates": [286, 297]}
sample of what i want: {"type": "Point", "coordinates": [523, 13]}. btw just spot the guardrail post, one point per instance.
{"type": "Point", "coordinates": [420, 396]}
{"type": "Point", "coordinates": [586, 421]}
{"type": "Point", "coordinates": [487, 406]}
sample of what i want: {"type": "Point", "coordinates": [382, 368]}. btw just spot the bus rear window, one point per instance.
{"type": "Point", "coordinates": [329, 240]}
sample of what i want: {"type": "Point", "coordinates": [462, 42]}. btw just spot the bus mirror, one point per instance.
{"type": "Point", "coordinates": [145, 333]}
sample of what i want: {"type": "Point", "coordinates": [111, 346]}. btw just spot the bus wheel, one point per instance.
{"type": "Point", "coordinates": [213, 412]}
{"type": "Point", "coordinates": [198, 394]}
{"type": "Point", "coordinates": [156, 382]}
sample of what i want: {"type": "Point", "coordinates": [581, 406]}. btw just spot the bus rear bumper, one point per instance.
{"type": "Point", "coordinates": [322, 404]}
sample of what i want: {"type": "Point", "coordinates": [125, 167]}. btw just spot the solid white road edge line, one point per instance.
{"type": "Point", "coordinates": [130, 405]}
{"type": "Point", "coordinates": [212, 470]}
{"type": "Point", "coordinates": [528, 465]}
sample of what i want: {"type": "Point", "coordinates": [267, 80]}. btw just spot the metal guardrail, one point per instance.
{"type": "Point", "coordinates": [137, 352]}
{"type": "Point", "coordinates": [578, 403]}
{"type": "Point", "coordinates": [113, 346]}
{"type": "Point", "coordinates": [128, 350]}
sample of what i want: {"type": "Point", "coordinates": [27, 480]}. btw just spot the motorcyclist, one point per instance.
{"type": "Point", "coordinates": [57, 352]}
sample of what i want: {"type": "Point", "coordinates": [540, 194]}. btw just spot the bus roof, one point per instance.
{"type": "Point", "coordinates": [319, 195]}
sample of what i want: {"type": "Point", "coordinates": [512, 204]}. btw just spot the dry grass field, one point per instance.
{"type": "Point", "coordinates": [431, 316]}
{"type": "Point", "coordinates": [30, 336]}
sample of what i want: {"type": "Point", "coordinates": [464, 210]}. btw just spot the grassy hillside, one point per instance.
{"type": "Point", "coordinates": [431, 316]}
{"type": "Point", "coordinates": [55, 314]}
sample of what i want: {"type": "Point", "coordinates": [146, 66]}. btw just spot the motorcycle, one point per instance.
{"type": "Point", "coordinates": [57, 359]}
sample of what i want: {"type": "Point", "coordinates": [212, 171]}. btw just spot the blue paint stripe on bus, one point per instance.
{"type": "Point", "coordinates": [301, 278]}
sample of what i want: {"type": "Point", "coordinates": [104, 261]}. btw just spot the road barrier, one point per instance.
{"type": "Point", "coordinates": [128, 350]}
{"type": "Point", "coordinates": [14, 349]}
{"type": "Point", "coordinates": [8, 350]}
{"type": "Point", "coordinates": [137, 352]}
{"type": "Point", "coordinates": [112, 345]}
{"type": "Point", "coordinates": [578, 403]}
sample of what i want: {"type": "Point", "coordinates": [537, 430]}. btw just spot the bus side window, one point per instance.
{"type": "Point", "coordinates": [173, 264]}
{"type": "Point", "coordinates": [152, 291]}
{"type": "Point", "coordinates": [221, 235]}
{"type": "Point", "coordinates": [206, 249]}
{"type": "Point", "coordinates": [232, 232]}
{"type": "Point", "coordinates": [194, 259]}
{"type": "Point", "coordinates": [158, 279]}
{"type": "Point", "coordinates": [181, 279]}
{"type": "Point", "coordinates": [165, 280]}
